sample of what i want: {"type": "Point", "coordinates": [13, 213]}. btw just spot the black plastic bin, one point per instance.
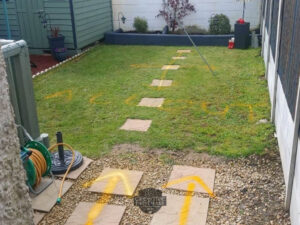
{"type": "Point", "coordinates": [241, 35]}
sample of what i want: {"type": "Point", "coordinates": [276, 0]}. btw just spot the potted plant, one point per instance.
{"type": "Point", "coordinates": [56, 40]}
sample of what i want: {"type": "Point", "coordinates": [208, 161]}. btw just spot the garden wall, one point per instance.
{"type": "Point", "coordinates": [205, 9]}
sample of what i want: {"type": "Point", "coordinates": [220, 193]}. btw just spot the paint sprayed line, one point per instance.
{"type": "Point", "coordinates": [68, 94]}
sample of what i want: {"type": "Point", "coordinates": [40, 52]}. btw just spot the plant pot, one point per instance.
{"type": "Point", "coordinates": [241, 35]}
{"type": "Point", "coordinates": [56, 42]}
{"type": "Point", "coordinates": [60, 54]}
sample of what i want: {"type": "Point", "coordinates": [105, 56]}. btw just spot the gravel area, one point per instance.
{"type": "Point", "coordinates": [249, 190]}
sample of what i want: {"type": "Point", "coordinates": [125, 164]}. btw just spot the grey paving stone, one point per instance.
{"type": "Point", "coordinates": [47, 199]}
{"type": "Point", "coordinates": [170, 67]}
{"type": "Point", "coordinates": [170, 214]}
{"type": "Point", "coordinates": [37, 217]}
{"type": "Point", "coordinates": [110, 214]}
{"type": "Point", "coordinates": [162, 83]}
{"type": "Point", "coordinates": [76, 173]}
{"type": "Point", "coordinates": [179, 57]}
{"type": "Point", "coordinates": [131, 180]}
{"type": "Point", "coordinates": [184, 51]}
{"type": "Point", "coordinates": [179, 172]}
{"type": "Point", "coordinates": [136, 125]}
{"type": "Point", "coordinates": [151, 102]}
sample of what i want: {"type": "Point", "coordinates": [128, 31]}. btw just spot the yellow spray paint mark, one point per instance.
{"type": "Point", "coordinates": [68, 94]}
{"type": "Point", "coordinates": [191, 178]}
{"type": "Point", "coordinates": [184, 213]}
{"type": "Point", "coordinates": [114, 178]}
{"type": "Point", "coordinates": [128, 100]}
{"type": "Point", "coordinates": [92, 99]}
{"type": "Point", "coordinates": [205, 109]}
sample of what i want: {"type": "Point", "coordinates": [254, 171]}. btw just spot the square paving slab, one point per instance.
{"type": "Point", "coordinates": [179, 57]}
{"type": "Point", "coordinates": [37, 217]}
{"type": "Point", "coordinates": [170, 67]}
{"type": "Point", "coordinates": [131, 179]}
{"type": "Point", "coordinates": [151, 102]}
{"type": "Point", "coordinates": [76, 173]}
{"type": "Point", "coordinates": [184, 51]}
{"type": "Point", "coordinates": [162, 83]}
{"type": "Point", "coordinates": [170, 214]}
{"type": "Point", "coordinates": [181, 172]}
{"type": "Point", "coordinates": [110, 214]}
{"type": "Point", "coordinates": [47, 199]}
{"type": "Point", "coordinates": [136, 125]}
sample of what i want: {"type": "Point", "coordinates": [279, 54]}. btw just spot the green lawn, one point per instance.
{"type": "Point", "coordinates": [90, 98]}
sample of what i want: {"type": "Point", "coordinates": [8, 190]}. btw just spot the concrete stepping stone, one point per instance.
{"type": "Point", "coordinates": [151, 102]}
{"type": "Point", "coordinates": [162, 83]}
{"type": "Point", "coordinates": [179, 57]}
{"type": "Point", "coordinates": [37, 217]}
{"type": "Point", "coordinates": [76, 173]}
{"type": "Point", "coordinates": [170, 67]}
{"type": "Point", "coordinates": [136, 125]}
{"type": "Point", "coordinates": [45, 201]}
{"type": "Point", "coordinates": [184, 51]}
{"type": "Point", "coordinates": [110, 215]}
{"type": "Point", "coordinates": [126, 179]}
{"type": "Point", "coordinates": [181, 173]}
{"type": "Point", "coordinates": [170, 214]}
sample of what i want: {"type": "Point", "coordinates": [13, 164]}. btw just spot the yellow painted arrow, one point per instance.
{"type": "Point", "coordinates": [188, 198]}
{"type": "Point", "coordinates": [114, 178]}
{"type": "Point", "coordinates": [68, 93]}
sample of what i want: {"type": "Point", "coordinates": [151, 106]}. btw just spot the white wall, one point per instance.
{"type": "Point", "coordinates": [205, 8]}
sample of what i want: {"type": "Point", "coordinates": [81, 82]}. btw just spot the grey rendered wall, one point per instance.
{"type": "Point", "coordinates": [15, 205]}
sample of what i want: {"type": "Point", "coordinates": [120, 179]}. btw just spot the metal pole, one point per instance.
{"type": "Point", "coordinates": [6, 19]}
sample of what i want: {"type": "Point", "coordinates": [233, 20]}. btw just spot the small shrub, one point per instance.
{"type": "Point", "coordinates": [140, 25]}
{"type": "Point", "coordinates": [219, 24]}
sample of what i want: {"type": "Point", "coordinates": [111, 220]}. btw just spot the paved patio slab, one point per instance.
{"type": "Point", "coordinates": [162, 83]}
{"type": "Point", "coordinates": [151, 102]}
{"type": "Point", "coordinates": [180, 172]}
{"type": "Point", "coordinates": [76, 173]}
{"type": "Point", "coordinates": [179, 57]}
{"type": "Point", "coordinates": [170, 67]}
{"type": "Point", "coordinates": [184, 51]}
{"type": "Point", "coordinates": [131, 178]}
{"type": "Point", "coordinates": [170, 214]}
{"type": "Point", "coordinates": [47, 199]}
{"type": "Point", "coordinates": [37, 217]}
{"type": "Point", "coordinates": [110, 215]}
{"type": "Point", "coordinates": [136, 125]}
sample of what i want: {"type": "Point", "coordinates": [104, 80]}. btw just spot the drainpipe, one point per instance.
{"type": "Point", "coordinates": [6, 19]}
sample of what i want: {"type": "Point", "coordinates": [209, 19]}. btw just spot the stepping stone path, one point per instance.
{"type": "Point", "coordinates": [136, 125]}
{"type": "Point", "coordinates": [110, 215]}
{"type": "Point", "coordinates": [76, 173]}
{"type": "Point", "coordinates": [131, 178]}
{"type": "Point", "coordinates": [151, 102]}
{"type": "Point", "coordinates": [171, 213]}
{"type": "Point", "coordinates": [184, 209]}
{"type": "Point", "coordinates": [45, 201]}
{"type": "Point", "coordinates": [37, 217]}
{"type": "Point", "coordinates": [162, 83]}
{"type": "Point", "coordinates": [170, 67]}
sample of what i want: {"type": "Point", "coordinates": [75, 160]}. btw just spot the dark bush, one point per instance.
{"type": "Point", "coordinates": [140, 25]}
{"type": "Point", "coordinates": [219, 24]}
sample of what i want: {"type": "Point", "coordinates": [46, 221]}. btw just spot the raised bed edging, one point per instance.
{"type": "Point", "coordinates": [165, 39]}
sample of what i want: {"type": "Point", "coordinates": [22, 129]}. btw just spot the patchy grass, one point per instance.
{"type": "Point", "coordinates": [96, 93]}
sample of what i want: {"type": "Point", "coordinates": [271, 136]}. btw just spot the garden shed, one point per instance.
{"type": "Point", "coordinates": [81, 22]}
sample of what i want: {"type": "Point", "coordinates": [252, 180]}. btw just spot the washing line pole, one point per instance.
{"type": "Point", "coordinates": [195, 46]}
{"type": "Point", "coordinates": [6, 19]}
